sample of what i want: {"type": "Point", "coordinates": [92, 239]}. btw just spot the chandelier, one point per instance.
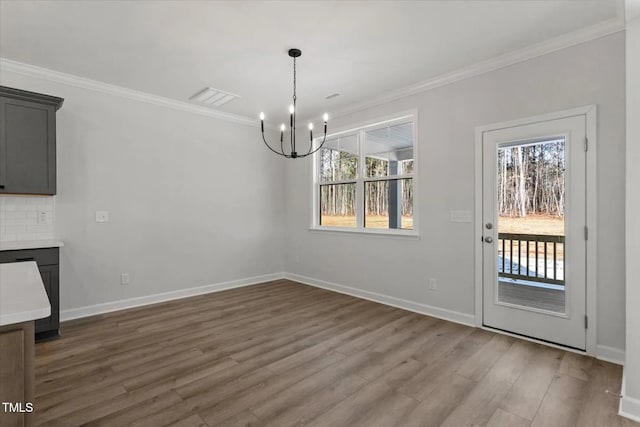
{"type": "Point", "coordinates": [291, 150]}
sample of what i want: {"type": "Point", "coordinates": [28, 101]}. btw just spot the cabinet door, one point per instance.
{"type": "Point", "coordinates": [12, 374]}
{"type": "Point", "coordinates": [50, 277]}
{"type": "Point", "coordinates": [16, 373]}
{"type": "Point", "coordinates": [27, 147]}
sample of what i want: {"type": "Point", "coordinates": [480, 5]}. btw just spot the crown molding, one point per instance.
{"type": "Point", "coordinates": [97, 86]}
{"type": "Point", "coordinates": [564, 41]}
{"type": "Point", "coordinates": [602, 29]}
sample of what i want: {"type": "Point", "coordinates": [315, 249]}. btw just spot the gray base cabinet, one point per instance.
{"type": "Point", "coordinates": [48, 264]}
{"type": "Point", "coordinates": [27, 142]}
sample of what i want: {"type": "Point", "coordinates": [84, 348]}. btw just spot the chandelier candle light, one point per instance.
{"type": "Point", "coordinates": [293, 154]}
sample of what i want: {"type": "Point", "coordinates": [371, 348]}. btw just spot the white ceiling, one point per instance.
{"type": "Point", "coordinates": [360, 49]}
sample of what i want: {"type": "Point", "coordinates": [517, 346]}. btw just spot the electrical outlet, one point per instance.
{"type": "Point", "coordinates": [43, 217]}
{"type": "Point", "coordinates": [432, 284]}
{"type": "Point", "coordinates": [124, 279]}
{"type": "Point", "coordinates": [102, 216]}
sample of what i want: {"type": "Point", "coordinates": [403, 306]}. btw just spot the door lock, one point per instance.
{"type": "Point", "coordinates": [489, 226]}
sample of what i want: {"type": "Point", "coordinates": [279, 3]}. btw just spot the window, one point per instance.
{"type": "Point", "coordinates": [364, 179]}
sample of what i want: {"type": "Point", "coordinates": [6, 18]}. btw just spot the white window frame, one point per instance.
{"type": "Point", "coordinates": [361, 179]}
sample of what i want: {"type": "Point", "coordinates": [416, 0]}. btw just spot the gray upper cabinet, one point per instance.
{"type": "Point", "coordinates": [27, 142]}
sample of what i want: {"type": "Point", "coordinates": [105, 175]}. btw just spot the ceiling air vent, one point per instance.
{"type": "Point", "coordinates": [210, 97]}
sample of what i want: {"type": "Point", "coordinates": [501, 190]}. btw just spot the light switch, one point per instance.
{"type": "Point", "coordinates": [102, 216]}
{"type": "Point", "coordinates": [460, 216]}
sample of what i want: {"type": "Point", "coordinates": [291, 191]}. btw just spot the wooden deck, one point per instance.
{"type": "Point", "coordinates": [283, 354]}
{"type": "Point", "coordinates": [532, 296]}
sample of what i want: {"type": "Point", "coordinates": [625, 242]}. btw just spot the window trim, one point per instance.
{"type": "Point", "coordinates": [359, 130]}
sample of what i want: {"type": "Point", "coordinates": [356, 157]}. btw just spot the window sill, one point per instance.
{"type": "Point", "coordinates": [403, 234]}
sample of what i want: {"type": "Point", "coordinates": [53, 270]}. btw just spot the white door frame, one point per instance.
{"type": "Point", "coordinates": [590, 113]}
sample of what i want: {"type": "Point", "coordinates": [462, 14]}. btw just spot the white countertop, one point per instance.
{"type": "Point", "coordinates": [22, 294]}
{"type": "Point", "coordinates": [30, 244]}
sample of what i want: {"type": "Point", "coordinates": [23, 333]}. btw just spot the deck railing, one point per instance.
{"type": "Point", "coordinates": [531, 257]}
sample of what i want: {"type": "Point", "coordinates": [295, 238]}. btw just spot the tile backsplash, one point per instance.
{"type": "Point", "coordinates": [26, 218]}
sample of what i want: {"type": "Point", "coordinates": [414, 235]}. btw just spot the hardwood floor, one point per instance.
{"type": "Point", "coordinates": [282, 353]}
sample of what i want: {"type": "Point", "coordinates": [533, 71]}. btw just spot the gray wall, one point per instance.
{"type": "Point", "coordinates": [192, 200]}
{"type": "Point", "coordinates": [589, 73]}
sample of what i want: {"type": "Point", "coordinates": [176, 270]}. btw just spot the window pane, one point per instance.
{"type": "Point", "coordinates": [339, 159]}
{"type": "Point", "coordinates": [406, 166]}
{"type": "Point", "coordinates": [338, 205]}
{"type": "Point", "coordinates": [389, 204]}
{"type": "Point", "coordinates": [389, 150]}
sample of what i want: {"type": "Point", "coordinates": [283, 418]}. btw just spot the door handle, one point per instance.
{"type": "Point", "coordinates": [488, 239]}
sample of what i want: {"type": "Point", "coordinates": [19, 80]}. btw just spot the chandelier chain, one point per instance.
{"type": "Point", "coordinates": [294, 81]}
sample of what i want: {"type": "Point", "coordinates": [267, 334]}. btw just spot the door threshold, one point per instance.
{"type": "Point", "coordinates": [537, 341]}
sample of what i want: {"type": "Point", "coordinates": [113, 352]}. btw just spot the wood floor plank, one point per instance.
{"type": "Point", "coordinates": [495, 377]}
{"type": "Point", "coordinates": [55, 409]}
{"type": "Point", "coordinates": [244, 419]}
{"type": "Point", "coordinates": [527, 393]}
{"type": "Point", "coordinates": [285, 354]}
{"type": "Point", "coordinates": [297, 393]}
{"type": "Point", "coordinates": [385, 357]}
{"type": "Point", "coordinates": [502, 418]}
{"type": "Point", "coordinates": [302, 414]}
{"type": "Point", "coordinates": [387, 411]}
{"type": "Point", "coordinates": [192, 421]}
{"type": "Point", "coordinates": [600, 407]}
{"type": "Point", "coordinates": [477, 365]}
{"type": "Point", "coordinates": [310, 353]}
{"type": "Point", "coordinates": [378, 335]}
{"type": "Point", "coordinates": [478, 406]}
{"type": "Point", "coordinates": [576, 365]}
{"type": "Point", "coordinates": [73, 384]}
{"type": "Point", "coordinates": [438, 370]}
{"type": "Point", "coordinates": [232, 404]}
{"type": "Point", "coordinates": [562, 403]}
{"type": "Point", "coordinates": [355, 407]}
{"type": "Point", "coordinates": [167, 416]}
{"type": "Point", "coordinates": [126, 416]}
{"type": "Point", "coordinates": [433, 411]}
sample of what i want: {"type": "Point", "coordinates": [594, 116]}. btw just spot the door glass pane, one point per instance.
{"type": "Point", "coordinates": [338, 205]}
{"type": "Point", "coordinates": [389, 204]}
{"type": "Point", "coordinates": [531, 224]}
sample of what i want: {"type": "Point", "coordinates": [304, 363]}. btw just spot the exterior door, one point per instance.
{"type": "Point", "coordinates": [534, 230]}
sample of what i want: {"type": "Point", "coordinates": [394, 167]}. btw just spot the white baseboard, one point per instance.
{"type": "Point", "coordinates": [610, 354]}
{"type": "Point", "coordinates": [629, 406]}
{"type": "Point", "coordinates": [441, 313]}
{"type": "Point", "coordinates": [92, 310]}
